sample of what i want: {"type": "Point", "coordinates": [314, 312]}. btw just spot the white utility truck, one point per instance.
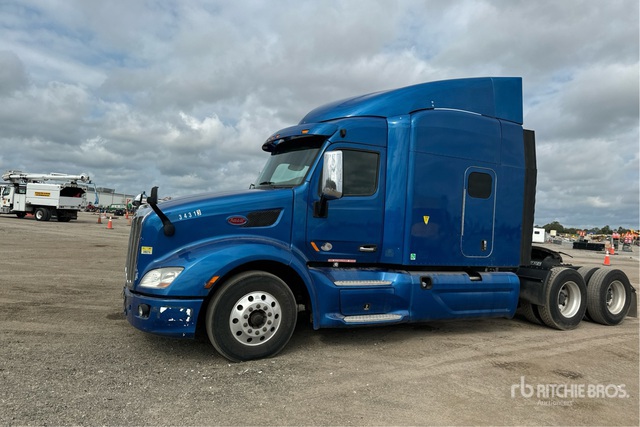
{"type": "Point", "coordinates": [34, 193]}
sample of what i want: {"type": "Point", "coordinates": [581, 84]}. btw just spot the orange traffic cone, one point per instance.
{"type": "Point", "coordinates": [612, 251]}
{"type": "Point", "coordinates": [99, 218]}
{"type": "Point", "coordinates": [607, 261]}
{"type": "Point", "coordinates": [110, 224]}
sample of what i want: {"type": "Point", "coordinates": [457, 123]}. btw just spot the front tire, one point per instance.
{"type": "Point", "coordinates": [252, 316]}
{"type": "Point", "coordinates": [565, 298]}
{"type": "Point", "coordinates": [608, 297]}
{"type": "Point", "coordinates": [42, 214]}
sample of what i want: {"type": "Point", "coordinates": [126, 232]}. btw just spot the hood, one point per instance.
{"type": "Point", "coordinates": [203, 218]}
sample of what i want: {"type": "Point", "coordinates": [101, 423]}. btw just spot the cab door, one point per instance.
{"type": "Point", "coordinates": [351, 231]}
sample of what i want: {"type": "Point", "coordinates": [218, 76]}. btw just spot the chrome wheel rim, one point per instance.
{"type": "Point", "coordinates": [616, 297]}
{"type": "Point", "coordinates": [569, 299]}
{"type": "Point", "coordinates": [255, 318]}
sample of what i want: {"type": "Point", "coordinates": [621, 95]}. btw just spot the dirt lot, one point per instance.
{"type": "Point", "coordinates": [68, 356]}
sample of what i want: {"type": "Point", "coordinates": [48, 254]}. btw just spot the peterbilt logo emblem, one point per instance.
{"type": "Point", "coordinates": [237, 220]}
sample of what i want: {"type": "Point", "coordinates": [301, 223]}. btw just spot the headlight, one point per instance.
{"type": "Point", "coordinates": [160, 278]}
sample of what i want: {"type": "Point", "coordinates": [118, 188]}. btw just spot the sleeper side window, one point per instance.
{"type": "Point", "coordinates": [479, 185]}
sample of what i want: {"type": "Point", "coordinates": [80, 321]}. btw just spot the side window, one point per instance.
{"type": "Point", "coordinates": [360, 172]}
{"type": "Point", "coordinates": [480, 185]}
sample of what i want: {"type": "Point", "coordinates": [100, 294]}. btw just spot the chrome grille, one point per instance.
{"type": "Point", "coordinates": [130, 270]}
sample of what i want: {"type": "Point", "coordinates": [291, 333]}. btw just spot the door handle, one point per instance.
{"type": "Point", "coordinates": [368, 248]}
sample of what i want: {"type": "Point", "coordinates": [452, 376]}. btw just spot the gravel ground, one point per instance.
{"type": "Point", "coordinates": [68, 356]}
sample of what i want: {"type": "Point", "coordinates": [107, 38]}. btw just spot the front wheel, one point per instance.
{"type": "Point", "coordinates": [565, 299]}
{"type": "Point", "coordinates": [42, 214]}
{"type": "Point", "coordinates": [608, 296]}
{"type": "Point", "coordinates": [252, 316]}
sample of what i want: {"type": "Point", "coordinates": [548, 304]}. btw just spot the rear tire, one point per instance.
{"type": "Point", "coordinates": [531, 313]}
{"type": "Point", "coordinates": [586, 273]}
{"type": "Point", "coordinates": [252, 316]}
{"type": "Point", "coordinates": [63, 217]}
{"type": "Point", "coordinates": [608, 296]}
{"type": "Point", "coordinates": [565, 298]}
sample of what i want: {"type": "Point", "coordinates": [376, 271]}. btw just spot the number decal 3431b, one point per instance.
{"type": "Point", "coordinates": [188, 215]}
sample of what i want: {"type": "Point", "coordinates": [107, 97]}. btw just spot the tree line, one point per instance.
{"type": "Point", "coordinates": [555, 225]}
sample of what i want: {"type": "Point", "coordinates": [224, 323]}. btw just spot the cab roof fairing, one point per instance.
{"type": "Point", "coordinates": [498, 97]}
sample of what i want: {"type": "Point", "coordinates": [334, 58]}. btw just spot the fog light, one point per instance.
{"type": "Point", "coordinates": [143, 310]}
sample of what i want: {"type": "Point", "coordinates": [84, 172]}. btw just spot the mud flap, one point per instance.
{"type": "Point", "coordinates": [633, 308]}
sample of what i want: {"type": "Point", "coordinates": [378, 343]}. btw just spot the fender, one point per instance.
{"type": "Point", "coordinates": [217, 258]}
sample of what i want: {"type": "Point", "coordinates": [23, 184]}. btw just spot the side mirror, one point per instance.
{"type": "Point", "coordinates": [331, 182]}
{"type": "Point", "coordinates": [138, 200]}
{"type": "Point", "coordinates": [332, 175]}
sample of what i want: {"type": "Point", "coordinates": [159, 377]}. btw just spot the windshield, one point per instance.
{"type": "Point", "coordinates": [288, 166]}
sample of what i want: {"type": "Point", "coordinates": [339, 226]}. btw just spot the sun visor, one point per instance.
{"type": "Point", "coordinates": [299, 131]}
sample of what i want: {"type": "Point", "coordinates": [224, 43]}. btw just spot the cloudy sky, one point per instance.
{"type": "Point", "coordinates": [183, 94]}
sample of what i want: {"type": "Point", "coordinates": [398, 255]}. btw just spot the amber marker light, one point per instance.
{"type": "Point", "coordinates": [211, 282]}
{"type": "Point", "coordinates": [313, 245]}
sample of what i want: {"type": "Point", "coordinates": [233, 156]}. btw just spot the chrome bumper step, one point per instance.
{"type": "Point", "coordinates": [373, 318]}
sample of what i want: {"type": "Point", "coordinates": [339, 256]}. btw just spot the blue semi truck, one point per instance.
{"type": "Point", "coordinates": [409, 205]}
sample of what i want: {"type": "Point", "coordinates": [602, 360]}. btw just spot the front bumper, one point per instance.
{"type": "Point", "coordinates": [162, 316]}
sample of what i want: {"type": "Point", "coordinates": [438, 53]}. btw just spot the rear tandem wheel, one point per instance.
{"type": "Point", "coordinates": [565, 299]}
{"type": "Point", "coordinates": [586, 273]}
{"type": "Point", "coordinates": [531, 312]}
{"type": "Point", "coordinates": [608, 296]}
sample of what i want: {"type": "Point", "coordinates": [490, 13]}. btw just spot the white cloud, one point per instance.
{"type": "Point", "coordinates": [12, 73]}
{"type": "Point", "coordinates": [182, 95]}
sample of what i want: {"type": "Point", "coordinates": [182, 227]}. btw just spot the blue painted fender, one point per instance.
{"type": "Point", "coordinates": [217, 258]}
